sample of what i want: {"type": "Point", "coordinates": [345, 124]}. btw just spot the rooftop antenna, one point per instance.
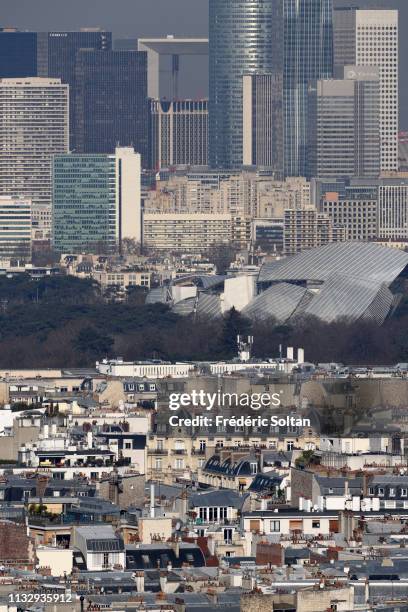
{"type": "Point", "coordinates": [244, 347]}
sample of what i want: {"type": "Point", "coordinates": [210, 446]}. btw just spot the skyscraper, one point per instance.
{"type": "Point", "coordinates": [18, 53]}
{"type": "Point", "coordinates": [57, 53]}
{"type": "Point", "coordinates": [96, 201]}
{"type": "Point", "coordinates": [263, 121]}
{"type": "Point", "coordinates": [344, 39]}
{"type": "Point", "coordinates": [33, 128]}
{"type": "Point", "coordinates": [344, 122]}
{"type": "Point", "coordinates": [308, 56]}
{"type": "Point", "coordinates": [373, 35]}
{"type": "Point", "coordinates": [245, 37]}
{"type": "Point", "coordinates": [178, 133]}
{"type": "Point", "coordinates": [111, 107]}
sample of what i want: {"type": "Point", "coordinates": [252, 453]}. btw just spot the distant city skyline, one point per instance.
{"type": "Point", "coordinates": [129, 19]}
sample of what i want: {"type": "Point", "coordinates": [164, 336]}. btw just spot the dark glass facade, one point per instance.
{"type": "Point", "coordinates": [245, 37]}
{"type": "Point", "coordinates": [57, 52]}
{"type": "Point", "coordinates": [111, 106]}
{"type": "Point", "coordinates": [308, 48]}
{"type": "Point", "coordinates": [18, 54]}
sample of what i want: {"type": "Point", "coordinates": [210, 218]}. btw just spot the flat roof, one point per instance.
{"type": "Point", "coordinates": [172, 45]}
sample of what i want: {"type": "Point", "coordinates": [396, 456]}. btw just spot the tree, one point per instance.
{"type": "Point", "coordinates": [92, 342]}
{"type": "Point", "coordinates": [234, 324]}
{"type": "Point", "coordinates": [136, 295]}
{"type": "Point", "coordinates": [222, 255]}
{"type": "Point", "coordinates": [130, 246]}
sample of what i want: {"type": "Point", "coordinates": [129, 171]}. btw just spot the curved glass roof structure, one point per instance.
{"type": "Point", "coordinates": [279, 301]}
{"type": "Point", "coordinates": [354, 259]}
{"type": "Point", "coordinates": [351, 298]}
{"type": "Point", "coordinates": [341, 280]}
{"type": "Point", "coordinates": [185, 307]}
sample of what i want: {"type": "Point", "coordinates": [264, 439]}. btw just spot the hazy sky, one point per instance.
{"type": "Point", "coordinates": [138, 18]}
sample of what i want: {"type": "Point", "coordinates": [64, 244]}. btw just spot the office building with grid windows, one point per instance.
{"type": "Point", "coordinates": [33, 128]}
{"type": "Point", "coordinates": [178, 133]}
{"type": "Point", "coordinates": [96, 201]}
{"type": "Point", "coordinates": [111, 106]}
{"type": "Point", "coordinates": [372, 36]}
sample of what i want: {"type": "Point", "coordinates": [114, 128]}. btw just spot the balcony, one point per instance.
{"type": "Point", "coordinates": [157, 451]}
{"type": "Point", "coordinates": [179, 451]}
{"type": "Point", "coordinates": [198, 451]}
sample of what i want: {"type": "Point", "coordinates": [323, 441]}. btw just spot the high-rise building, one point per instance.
{"type": "Point", "coordinates": [344, 123]}
{"type": "Point", "coordinates": [111, 106]}
{"type": "Point", "coordinates": [245, 37]}
{"type": "Point", "coordinates": [375, 34]}
{"type": "Point", "coordinates": [263, 121]}
{"type": "Point", "coordinates": [33, 128]}
{"type": "Point", "coordinates": [344, 39]}
{"type": "Point", "coordinates": [393, 209]}
{"type": "Point", "coordinates": [49, 54]}
{"type": "Point", "coordinates": [15, 228]}
{"type": "Point", "coordinates": [18, 53]}
{"type": "Point", "coordinates": [56, 57]}
{"type": "Point", "coordinates": [307, 229]}
{"type": "Point", "coordinates": [358, 216]}
{"type": "Point", "coordinates": [178, 134]}
{"type": "Point", "coordinates": [308, 56]}
{"type": "Point", "coordinates": [96, 201]}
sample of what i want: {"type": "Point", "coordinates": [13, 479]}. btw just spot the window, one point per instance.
{"type": "Point", "coordinates": [158, 463]}
{"type": "Point", "coordinates": [289, 446]}
{"type": "Point", "coordinates": [254, 468]}
{"type": "Point", "coordinates": [381, 491]}
{"type": "Point", "coordinates": [152, 387]}
{"type": "Point", "coordinates": [128, 445]}
{"type": "Point", "coordinates": [160, 444]}
{"type": "Point", "coordinates": [179, 465]}
{"type": "Point", "coordinates": [228, 536]}
{"type": "Point", "coordinates": [105, 561]}
{"type": "Point", "coordinates": [315, 524]}
{"type": "Point", "coordinates": [202, 445]}
{"type": "Point", "coordinates": [392, 492]}
{"type": "Point", "coordinates": [403, 492]}
{"type": "Point", "coordinates": [274, 526]}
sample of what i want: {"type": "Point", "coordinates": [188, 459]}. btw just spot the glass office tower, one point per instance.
{"type": "Point", "coordinates": [308, 56]}
{"type": "Point", "coordinates": [245, 37]}
{"type": "Point", "coordinates": [57, 52]}
{"type": "Point", "coordinates": [18, 53]}
{"type": "Point", "coordinates": [96, 201]}
{"type": "Point", "coordinates": [111, 106]}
